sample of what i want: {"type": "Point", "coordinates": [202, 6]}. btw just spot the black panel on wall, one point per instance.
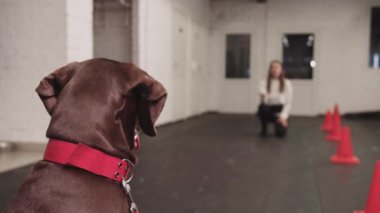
{"type": "Point", "coordinates": [238, 55]}
{"type": "Point", "coordinates": [298, 55]}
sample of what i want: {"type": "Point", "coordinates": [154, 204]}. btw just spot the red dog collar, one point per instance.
{"type": "Point", "coordinates": [89, 159]}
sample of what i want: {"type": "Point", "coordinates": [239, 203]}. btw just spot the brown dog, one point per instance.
{"type": "Point", "coordinates": [98, 103]}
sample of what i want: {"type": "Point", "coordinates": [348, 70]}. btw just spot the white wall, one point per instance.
{"type": "Point", "coordinates": [47, 34]}
{"type": "Point", "coordinates": [23, 63]}
{"type": "Point", "coordinates": [36, 37]}
{"type": "Point", "coordinates": [229, 17]}
{"type": "Point", "coordinates": [342, 39]}
{"type": "Point", "coordinates": [157, 54]}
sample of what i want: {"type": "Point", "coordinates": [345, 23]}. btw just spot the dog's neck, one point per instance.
{"type": "Point", "coordinates": [113, 140]}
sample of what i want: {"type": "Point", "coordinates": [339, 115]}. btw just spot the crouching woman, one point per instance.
{"type": "Point", "coordinates": [276, 95]}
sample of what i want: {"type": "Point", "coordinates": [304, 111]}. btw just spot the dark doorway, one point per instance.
{"type": "Point", "coordinates": [238, 55]}
{"type": "Point", "coordinates": [113, 29]}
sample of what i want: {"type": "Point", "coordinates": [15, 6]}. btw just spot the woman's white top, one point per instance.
{"type": "Point", "coordinates": [276, 97]}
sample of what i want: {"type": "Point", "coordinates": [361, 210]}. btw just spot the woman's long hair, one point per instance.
{"type": "Point", "coordinates": [281, 78]}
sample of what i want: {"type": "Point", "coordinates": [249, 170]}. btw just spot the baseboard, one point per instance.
{"type": "Point", "coordinates": [29, 147]}
{"type": "Point", "coordinates": [364, 115]}
{"type": "Point", "coordinates": [187, 118]}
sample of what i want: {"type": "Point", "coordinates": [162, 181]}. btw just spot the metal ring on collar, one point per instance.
{"type": "Point", "coordinates": [130, 167]}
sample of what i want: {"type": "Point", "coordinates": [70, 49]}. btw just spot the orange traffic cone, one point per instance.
{"type": "Point", "coordinates": [335, 132]}
{"type": "Point", "coordinates": [345, 153]}
{"type": "Point", "coordinates": [328, 123]}
{"type": "Point", "coordinates": [373, 201]}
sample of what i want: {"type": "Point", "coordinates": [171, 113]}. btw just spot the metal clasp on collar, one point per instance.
{"type": "Point", "coordinates": [133, 208]}
{"type": "Point", "coordinates": [127, 177]}
{"type": "Point", "coordinates": [132, 204]}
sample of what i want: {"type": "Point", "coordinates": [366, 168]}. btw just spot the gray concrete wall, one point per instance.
{"type": "Point", "coordinates": [36, 37]}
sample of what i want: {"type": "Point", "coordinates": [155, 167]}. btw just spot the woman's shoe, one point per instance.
{"type": "Point", "coordinates": [280, 130]}
{"type": "Point", "coordinates": [263, 134]}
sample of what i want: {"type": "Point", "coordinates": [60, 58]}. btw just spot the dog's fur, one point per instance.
{"type": "Point", "coordinates": [97, 102]}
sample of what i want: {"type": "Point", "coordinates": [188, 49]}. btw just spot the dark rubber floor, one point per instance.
{"type": "Point", "coordinates": [217, 163]}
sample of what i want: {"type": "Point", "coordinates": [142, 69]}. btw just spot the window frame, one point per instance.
{"type": "Point", "coordinates": [313, 69]}
{"type": "Point", "coordinates": [369, 59]}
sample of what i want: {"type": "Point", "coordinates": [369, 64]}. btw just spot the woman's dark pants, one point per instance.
{"type": "Point", "coordinates": [268, 114]}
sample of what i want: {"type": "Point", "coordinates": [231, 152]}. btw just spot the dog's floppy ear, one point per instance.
{"type": "Point", "coordinates": [50, 86]}
{"type": "Point", "coordinates": [151, 99]}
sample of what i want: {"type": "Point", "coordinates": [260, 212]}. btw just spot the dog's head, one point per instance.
{"type": "Point", "coordinates": [130, 95]}
{"type": "Point", "coordinates": [145, 100]}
